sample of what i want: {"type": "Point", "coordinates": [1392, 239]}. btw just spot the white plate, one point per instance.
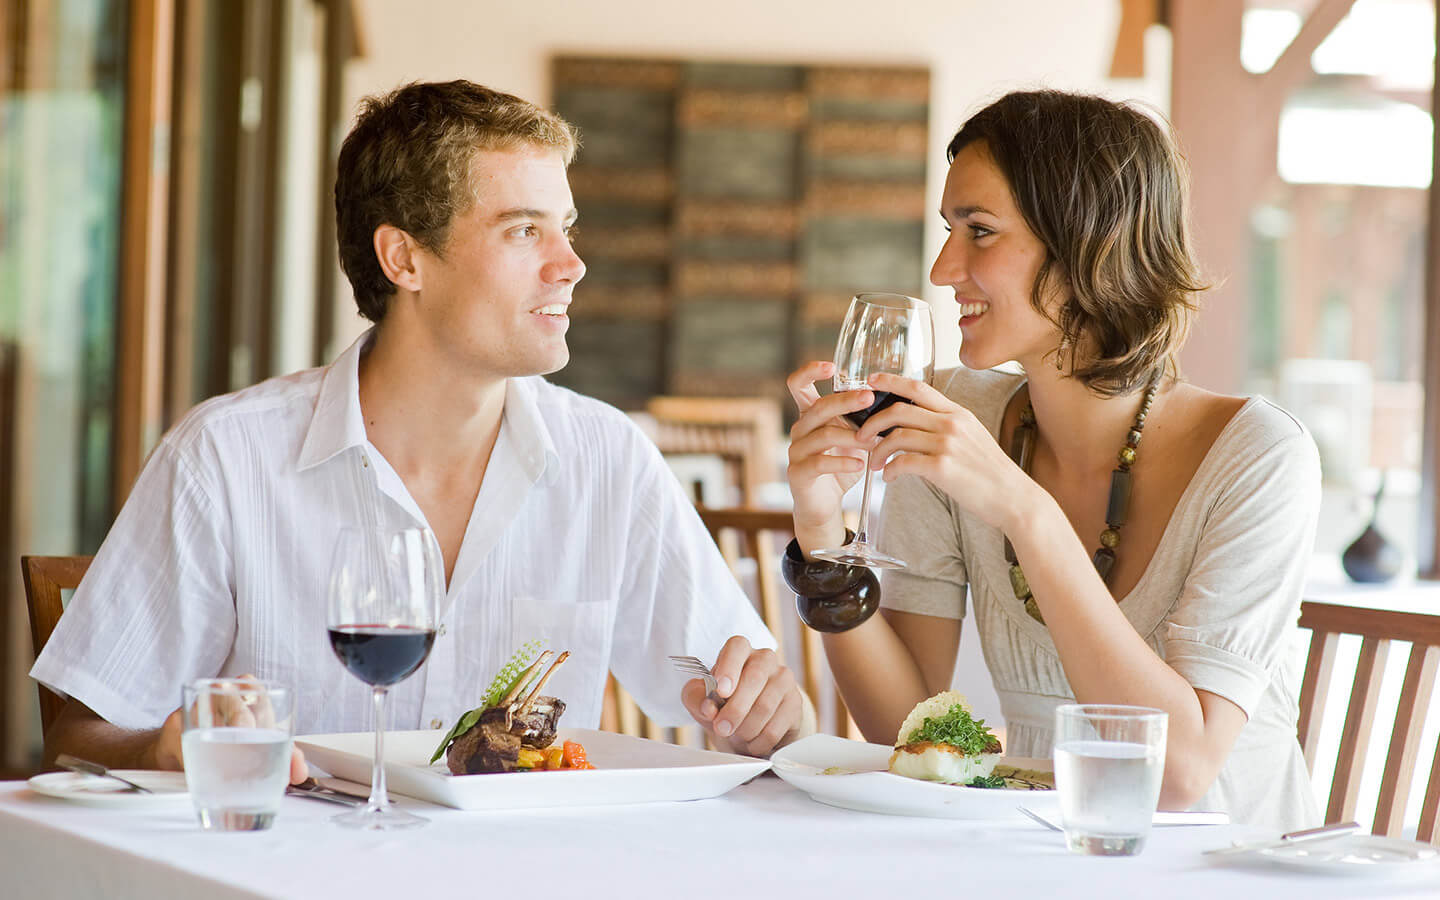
{"type": "Point", "coordinates": [1355, 854]}
{"type": "Point", "coordinates": [627, 770]}
{"type": "Point", "coordinates": [870, 788]}
{"type": "Point", "coordinates": [167, 788]}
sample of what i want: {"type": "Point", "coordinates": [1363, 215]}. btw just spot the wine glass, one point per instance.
{"type": "Point", "coordinates": [883, 333]}
{"type": "Point", "coordinates": [382, 610]}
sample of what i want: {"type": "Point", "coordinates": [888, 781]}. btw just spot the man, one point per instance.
{"type": "Point", "coordinates": [555, 517]}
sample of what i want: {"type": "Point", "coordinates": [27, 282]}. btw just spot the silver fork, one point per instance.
{"type": "Point", "coordinates": [691, 665]}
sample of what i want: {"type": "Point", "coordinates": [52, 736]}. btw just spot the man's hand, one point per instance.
{"type": "Point", "coordinates": [167, 751]}
{"type": "Point", "coordinates": [764, 709]}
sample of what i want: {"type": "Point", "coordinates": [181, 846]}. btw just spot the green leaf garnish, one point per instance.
{"type": "Point", "coordinates": [500, 685]}
{"type": "Point", "coordinates": [986, 781]}
{"type": "Point", "coordinates": [957, 729]}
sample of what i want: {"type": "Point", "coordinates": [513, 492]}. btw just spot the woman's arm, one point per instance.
{"type": "Point", "coordinates": [1107, 661]}
{"type": "Point", "coordinates": [889, 664]}
{"type": "Point", "coordinates": [1104, 659]}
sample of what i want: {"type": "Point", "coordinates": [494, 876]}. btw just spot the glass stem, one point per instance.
{"type": "Point", "coordinates": [379, 800]}
{"type": "Point", "coordinates": [862, 530]}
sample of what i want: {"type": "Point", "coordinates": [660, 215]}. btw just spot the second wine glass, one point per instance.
{"type": "Point", "coordinates": [383, 608]}
{"type": "Point", "coordinates": [883, 334]}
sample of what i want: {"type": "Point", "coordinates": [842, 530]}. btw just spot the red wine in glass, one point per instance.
{"type": "Point", "coordinates": [882, 334]}
{"type": "Point", "coordinates": [883, 401]}
{"type": "Point", "coordinates": [382, 611]}
{"type": "Point", "coordinates": [380, 655]}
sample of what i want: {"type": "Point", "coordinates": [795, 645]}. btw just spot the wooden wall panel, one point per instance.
{"type": "Point", "coordinates": [729, 210]}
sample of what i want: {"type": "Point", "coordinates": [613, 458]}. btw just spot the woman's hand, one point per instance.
{"type": "Point", "coordinates": [942, 442]}
{"type": "Point", "coordinates": [826, 457]}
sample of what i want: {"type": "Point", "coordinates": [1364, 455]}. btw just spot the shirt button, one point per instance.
{"type": "Point", "coordinates": [436, 723]}
{"type": "Point", "coordinates": [442, 630]}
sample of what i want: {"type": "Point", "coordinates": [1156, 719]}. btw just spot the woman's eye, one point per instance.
{"type": "Point", "coordinates": [979, 231]}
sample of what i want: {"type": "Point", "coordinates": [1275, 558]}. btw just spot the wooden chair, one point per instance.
{"type": "Point", "coordinates": [45, 577]}
{"type": "Point", "coordinates": [1379, 630]}
{"type": "Point", "coordinates": [744, 432]}
{"type": "Point", "coordinates": [751, 540]}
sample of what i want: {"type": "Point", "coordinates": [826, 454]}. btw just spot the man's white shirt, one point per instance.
{"type": "Point", "coordinates": [218, 563]}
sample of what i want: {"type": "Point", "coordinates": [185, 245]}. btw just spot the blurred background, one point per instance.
{"type": "Point", "coordinates": [166, 229]}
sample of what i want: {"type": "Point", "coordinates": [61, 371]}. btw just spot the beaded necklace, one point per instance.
{"type": "Point", "coordinates": [1022, 451]}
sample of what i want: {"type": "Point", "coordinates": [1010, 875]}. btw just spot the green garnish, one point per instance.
{"type": "Point", "coordinates": [500, 685]}
{"type": "Point", "coordinates": [986, 781]}
{"type": "Point", "coordinates": [957, 729]}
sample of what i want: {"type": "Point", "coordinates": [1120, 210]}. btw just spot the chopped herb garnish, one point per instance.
{"type": "Point", "coordinates": [957, 729]}
{"type": "Point", "coordinates": [986, 781]}
{"type": "Point", "coordinates": [499, 686]}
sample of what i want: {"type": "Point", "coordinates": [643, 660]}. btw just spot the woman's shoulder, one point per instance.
{"type": "Point", "coordinates": [1262, 439]}
{"type": "Point", "coordinates": [982, 391]}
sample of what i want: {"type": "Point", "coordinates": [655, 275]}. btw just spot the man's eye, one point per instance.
{"type": "Point", "coordinates": [571, 232]}
{"type": "Point", "coordinates": [524, 231]}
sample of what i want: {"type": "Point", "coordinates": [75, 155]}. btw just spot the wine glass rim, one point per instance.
{"type": "Point", "coordinates": [891, 300]}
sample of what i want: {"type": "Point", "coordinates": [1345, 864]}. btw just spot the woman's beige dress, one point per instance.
{"type": "Point", "coordinates": [1218, 602]}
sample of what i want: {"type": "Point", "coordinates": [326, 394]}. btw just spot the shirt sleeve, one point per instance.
{"type": "Point", "coordinates": [679, 596]}
{"type": "Point", "coordinates": [919, 526]}
{"type": "Point", "coordinates": [156, 607]}
{"type": "Point", "coordinates": [1229, 627]}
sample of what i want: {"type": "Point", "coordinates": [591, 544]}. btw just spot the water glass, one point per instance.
{"type": "Point", "coordinates": [1108, 764]}
{"type": "Point", "coordinates": [236, 744]}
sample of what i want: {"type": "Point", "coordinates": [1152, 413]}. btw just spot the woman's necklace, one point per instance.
{"type": "Point", "coordinates": [1022, 451]}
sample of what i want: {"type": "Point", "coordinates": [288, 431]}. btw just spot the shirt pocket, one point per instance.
{"type": "Point", "coordinates": [583, 628]}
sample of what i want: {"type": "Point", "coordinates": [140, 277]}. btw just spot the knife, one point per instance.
{"type": "Point", "coordinates": [85, 766]}
{"type": "Point", "coordinates": [1324, 832]}
{"type": "Point", "coordinates": [317, 791]}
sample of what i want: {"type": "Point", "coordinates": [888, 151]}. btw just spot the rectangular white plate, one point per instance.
{"type": "Point", "coordinates": [627, 770]}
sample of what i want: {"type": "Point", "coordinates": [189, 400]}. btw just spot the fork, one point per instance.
{"type": "Point", "coordinates": [691, 665]}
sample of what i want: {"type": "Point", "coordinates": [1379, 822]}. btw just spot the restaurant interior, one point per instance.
{"type": "Point", "coordinates": [167, 235]}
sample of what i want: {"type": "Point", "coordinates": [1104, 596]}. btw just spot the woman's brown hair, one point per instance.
{"type": "Point", "coordinates": [1105, 190]}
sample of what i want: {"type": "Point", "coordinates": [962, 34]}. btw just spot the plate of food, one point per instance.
{"type": "Point", "coordinates": [944, 764]}
{"type": "Point", "coordinates": [511, 753]}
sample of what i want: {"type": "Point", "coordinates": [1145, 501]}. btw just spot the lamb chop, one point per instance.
{"type": "Point", "coordinates": [494, 742]}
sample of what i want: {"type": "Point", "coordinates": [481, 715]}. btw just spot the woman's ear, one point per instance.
{"type": "Point", "coordinates": [397, 253]}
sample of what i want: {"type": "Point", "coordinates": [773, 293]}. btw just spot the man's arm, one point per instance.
{"type": "Point", "coordinates": [81, 732]}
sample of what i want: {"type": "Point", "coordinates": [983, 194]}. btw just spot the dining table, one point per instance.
{"type": "Point", "coordinates": [761, 839]}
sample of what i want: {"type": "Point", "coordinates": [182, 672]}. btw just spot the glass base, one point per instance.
{"type": "Point", "coordinates": [373, 818]}
{"type": "Point", "coordinates": [1104, 844]}
{"type": "Point", "coordinates": [858, 554]}
{"type": "Point", "coordinates": [235, 819]}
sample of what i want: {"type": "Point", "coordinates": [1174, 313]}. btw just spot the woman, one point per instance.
{"type": "Point", "coordinates": [1068, 253]}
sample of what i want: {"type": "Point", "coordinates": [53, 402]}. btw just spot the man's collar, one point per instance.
{"type": "Point", "coordinates": [338, 423]}
{"type": "Point", "coordinates": [535, 450]}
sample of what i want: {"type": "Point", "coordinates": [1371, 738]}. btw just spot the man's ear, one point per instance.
{"type": "Point", "coordinates": [396, 251]}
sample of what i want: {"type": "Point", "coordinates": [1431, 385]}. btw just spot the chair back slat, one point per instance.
{"type": "Point", "coordinates": [1359, 722]}
{"type": "Point", "coordinates": [1399, 771]}
{"type": "Point", "coordinates": [1429, 829]}
{"type": "Point", "coordinates": [1319, 670]}
{"type": "Point", "coordinates": [1379, 630]}
{"type": "Point", "coordinates": [45, 577]}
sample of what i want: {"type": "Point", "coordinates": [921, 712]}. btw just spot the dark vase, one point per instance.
{"type": "Point", "coordinates": [1372, 558]}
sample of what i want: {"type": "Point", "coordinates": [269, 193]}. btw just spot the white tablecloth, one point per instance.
{"type": "Point", "coordinates": [764, 839]}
